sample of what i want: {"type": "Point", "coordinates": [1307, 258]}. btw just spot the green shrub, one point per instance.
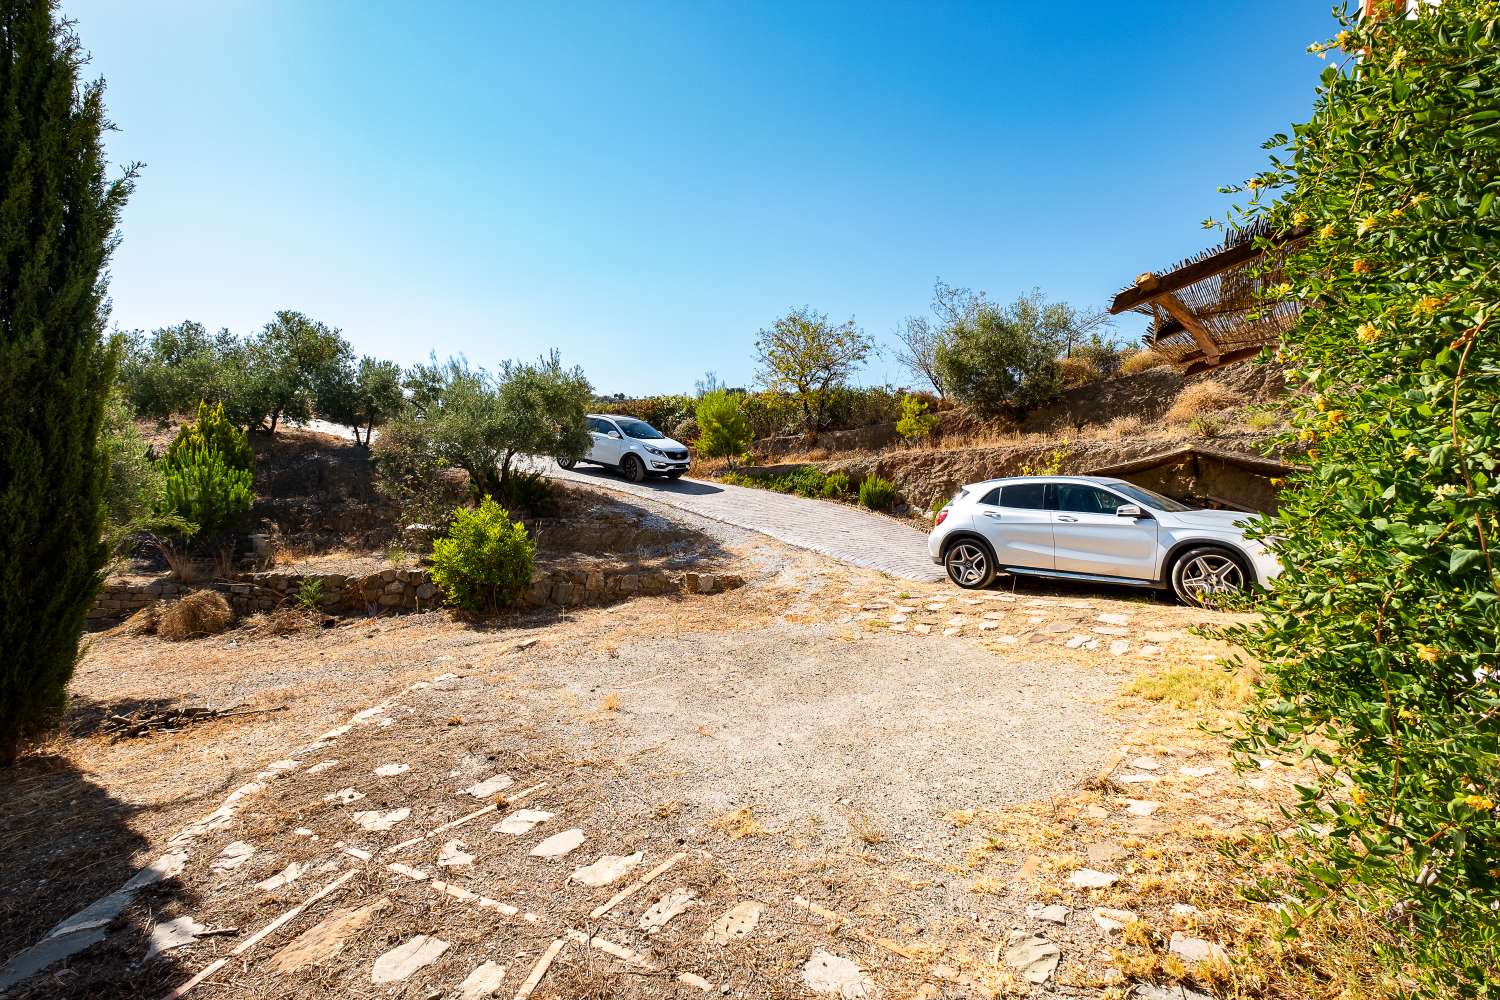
{"type": "Point", "coordinates": [526, 490]}
{"type": "Point", "coordinates": [806, 482]}
{"type": "Point", "coordinates": [836, 485]}
{"type": "Point", "coordinates": [135, 479]}
{"type": "Point", "coordinates": [686, 430]}
{"type": "Point", "coordinates": [740, 479]}
{"type": "Point", "coordinates": [309, 595]}
{"type": "Point", "coordinates": [877, 493]}
{"type": "Point", "coordinates": [484, 562]}
{"type": "Point", "coordinates": [205, 491]}
{"type": "Point", "coordinates": [915, 424]}
{"type": "Point", "coordinates": [723, 430]}
{"type": "Point", "coordinates": [211, 431]}
{"type": "Point", "coordinates": [1378, 642]}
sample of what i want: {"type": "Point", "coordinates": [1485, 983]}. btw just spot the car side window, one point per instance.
{"type": "Point", "coordinates": [1080, 499]}
{"type": "Point", "coordinates": [1025, 496]}
{"type": "Point", "coordinates": [599, 426]}
{"type": "Point", "coordinates": [992, 498]}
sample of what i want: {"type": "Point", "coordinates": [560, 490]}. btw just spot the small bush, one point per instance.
{"type": "Point", "coordinates": [916, 424]}
{"type": "Point", "coordinates": [211, 431]}
{"type": "Point", "coordinates": [1075, 372]}
{"type": "Point", "coordinates": [686, 431]}
{"type": "Point", "coordinates": [1263, 419]}
{"type": "Point", "coordinates": [1207, 425]}
{"type": "Point", "coordinates": [525, 490]}
{"type": "Point", "coordinates": [723, 429]}
{"type": "Point", "coordinates": [806, 482]}
{"type": "Point", "coordinates": [484, 562]}
{"type": "Point", "coordinates": [877, 493]}
{"type": "Point", "coordinates": [836, 485]}
{"type": "Point", "coordinates": [1142, 361]}
{"type": "Point", "coordinates": [740, 479]}
{"type": "Point", "coordinates": [1121, 427]}
{"type": "Point", "coordinates": [206, 491]}
{"type": "Point", "coordinates": [1206, 397]}
{"type": "Point", "coordinates": [310, 593]}
{"type": "Point", "coordinates": [201, 613]}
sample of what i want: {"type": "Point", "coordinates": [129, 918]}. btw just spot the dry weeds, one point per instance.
{"type": "Point", "coordinates": [201, 613]}
{"type": "Point", "coordinates": [1206, 398]}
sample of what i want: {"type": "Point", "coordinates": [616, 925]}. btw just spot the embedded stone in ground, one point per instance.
{"type": "Point", "coordinates": [233, 855]}
{"type": "Point", "coordinates": [376, 821]}
{"type": "Point", "coordinates": [344, 795]}
{"type": "Point", "coordinates": [1185, 910]}
{"type": "Point", "coordinates": [1110, 630]}
{"type": "Point", "coordinates": [1076, 641]}
{"type": "Point", "coordinates": [286, 876]}
{"type": "Point", "coordinates": [1035, 958]}
{"type": "Point", "coordinates": [322, 765]}
{"type": "Point", "coordinates": [1191, 949]}
{"type": "Point", "coordinates": [1088, 878]}
{"type": "Point", "coordinates": [1141, 807]}
{"type": "Point", "coordinates": [1146, 763]}
{"type": "Point", "coordinates": [1113, 619]}
{"type": "Point", "coordinates": [453, 855]}
{"type": "Point", "coordinates": [1150, 649]}
{"type": "Point", "coordinates": [1054, 913]}
{"type": "Point", "coordinates": [173, 934]}
{"type": "Point", "coordinates": [1196, 772]}
{"type": "Point", "coordinates": [482, 982]}
{"type": "Point", "coordinates": [661, 912]}
{"type": "Point", "coordinates": [610, 868]}
{"type": "Point", "coordinates": [736, 923]}
{"type": "Point", "coordinates": [391, 770]}
{"type": "Point", "coordinates": [1112, 921]}
{"type": "Point", "coordinates": [1119, 647]}
{"type": "Point", "coordinates": [489, 786]}
{"type": "Point", "coordinates": [521, 821]}
{"type": "Point", "coordinates": [401, 961]}
{"type": "Point", "coordinates": [559, 844]}
{"type": "Point", "coordinates": [1104, 851]}
{"type": "Point", "coordinates": [826, 972]}
{"type": "Point", "coordinates": [321, 942]}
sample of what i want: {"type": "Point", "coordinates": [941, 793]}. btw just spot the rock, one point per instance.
{"type": "Point", "coordinates": [559, 844]}
{"type": "Point", "coordinates": [1088, 878]}
{"type": "Point", "coordinates": [376, 821]}
{"type": "Point", "coordinates": [1119, 647]}
{"type": "Point", "coordinates": [988, 626]}
{"type": "Point", "coordinates": [952, 631]}
{"type": "Point", "coordinates": [521, 821]}
{"type": "Point", "coordinates": [826, 972]}
{"type": "Point", "coordinates": [1150, 649]}
{"type": "Point", "coordinates": [1146, 764]}
{"type": "Point", "coordinates": [736, 923]}
{"type": "Point", "coordinates": [1185, 910]}
{"type": "Point", "coordinates": [1057, 628]}
{"type": "Point", "coordinates": [610, 868]}
{"type": "Point", "coordinates": [1096, 812]}
{"type": "Point", "coordinates": [1113, 921]}
{"type": "Point", "coordinates": [1146, 991]}
{"type": "Point", "coordinates": [45, 953]}
{"type": "Point", "coordinates": [453, 855]}
{"type": "Point", "coordinates": [173, 934]}
{"type": "Point", "coordinates": [1141, 807]}
{"type": "Point", "coordinates": [401, 961]}
{"type": "Point", "coordinates": [1196, 772]}
{"type": "Point", "coordinates": [1191, 949]}
{"type": "Point", "coordinates": [344, 796]}
{"type": "Point", "coordinates": [321, 942]}
{"type": "Point", "coordinates": [1104, 852]}
{"type": "Point", "coordinates": [921, 629]}
{"type": "Point", "coordinates": [1113, 619]}
{"type": "Point", "coordinates": [286, 876]}
{"type": "Point", "coordinates": [489, 786]}
{"type": "Point", "coordinates": [482, 982]}
{"type": "Point", "coordinates": [233, 855]}
{"type": "Point", "coordinates": [322, 765]}
{"type": "Point", "coordinates": [661, 912]}
{"type": "Point", "coordinates": [1076, 641]}
{"type": "Point", "coordinates": [1035, 958]}
{"type": "Point", "coordinates": [1053, 914]}
{"type": "Point", "coordinates": [1137, 779]}
{"type": "Point", "coordinates": [1110, 630]}
{"type": "Point", "coordinates": [391, 770]}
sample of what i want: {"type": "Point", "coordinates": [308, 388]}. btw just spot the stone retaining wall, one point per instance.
{"type": "Point", "coordinates": [123, 596]}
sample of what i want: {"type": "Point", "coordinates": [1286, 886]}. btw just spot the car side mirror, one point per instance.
{"type": "Point", "coordinates": [614, 435]}
{"type": "Point", "coordinates": [1129, 510]}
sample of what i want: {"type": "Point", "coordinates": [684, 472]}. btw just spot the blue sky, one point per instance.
{"type": "Point", "coordinates": [645, 185]}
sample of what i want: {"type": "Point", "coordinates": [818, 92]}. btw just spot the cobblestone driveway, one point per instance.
{"type": "Point", "coordinates": [845, 533]}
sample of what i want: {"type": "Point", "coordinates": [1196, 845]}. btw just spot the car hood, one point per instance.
{"type": "Point", "coordinates": [662, 444]}
{"type": "Point", "coordinates": [1224, 520]}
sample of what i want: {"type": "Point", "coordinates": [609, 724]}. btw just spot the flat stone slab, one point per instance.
{"type": "Point", "coordinates": [453, 855]}
{"type": "Point", "coordinates": [1054, 913]}
{"type": "Point", "coordinates": [521, 821]}
{"type": "Point", "coordinates": [1088, 878]}
{"type": "Point", "coordinates": [1035, 958]}
{"type": "Point", "coordinates": [826, 972]}
{"type": "Point", "coordinates": [1113, 619]}
{"type": "Point", "coordinates": [344, 796]}
{"type": "Point", "coordinates": [559, 844]}
{"type": "Point", "coordinates": [234, 854]}
{"type": "Point", "coordinates": [661, 912]}
{"type": "Point", "coordinates": [323, 765]}
{"type": "Point", "coordinates": [1110, 630]}
{"type": "Point", "coordinates": [1113, 921]}
{"type": "Point", "coordinates": [1191, 949]}
{"type": "Point", "coordinates": [376, 821]}
{"type": "Point", "coordinates": [482, 982]}
{"type": "Point", "coordinates": [610, 868]}
{"type": "Point", "coordinates": [172, 934]}
{"type": "Point", "coordinates": [286, 876]}
{"type": "Point", "coordinates": [1141, 807]}
{"type": "Point", "coordinates": [1196, 772]}
{"type": "Point", "coordinates": [490, 786]}
{"type": "Point", "coordinates": [391, 770]}
{"type": "Point", "coordinates": [1146, 763]}
{"type": "Point", "coordinates": [736, 923]}
{"type": "Point", "coordinates": [321, 942]}
{"type": "Point", "coordinates": [400, 962]}
{"type": "Point", "coordinates": [47, 952]}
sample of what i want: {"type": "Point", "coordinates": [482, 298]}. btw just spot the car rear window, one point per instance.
{"type": "Point", "coordinates": [1026, 496]}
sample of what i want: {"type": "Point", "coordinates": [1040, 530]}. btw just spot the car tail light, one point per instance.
{"type": "Point", "coordinates": [940, 515]}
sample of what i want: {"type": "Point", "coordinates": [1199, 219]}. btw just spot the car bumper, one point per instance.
{"type": "Point", "coordinates": [1265, 564]}
{"type": "Point", "coordinates": [666, 465]}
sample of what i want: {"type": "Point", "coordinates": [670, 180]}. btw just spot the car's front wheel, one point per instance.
{"type": "Point", "coordinates": [969, 565]}
{"type": "Point", "coordinates": [566, 463]}
{"type": "Point", "coordinates": [633, 469]}
{"type": "Point", "coordinates": [1201, 573]}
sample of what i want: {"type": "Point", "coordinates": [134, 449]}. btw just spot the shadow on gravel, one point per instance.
{"type": "Point", "coordinates": [681, 487]}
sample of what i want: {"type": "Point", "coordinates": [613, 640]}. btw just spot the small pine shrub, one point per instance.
{"type": "Point", "coordinates": [1200, 398]}
{"type": "Point", "coordinates": [877, 493]}
{"type": "Point", "coordinates": [916, 424]}
{"type": "Point", "coordinates": [723, 428]}
{"type": "Point", "coordinates": [1142, 361]}
{"type": "Point", "coordinates": [484, 562]}
{"type": "Point", "coordinates": [806, 482]}
{"type": "Point", "coordinates": [836, 485]}
{"type": "Point", "coordinates": [310, 593]}
{"type": "Point", "coordinates": [211, 431]}
{"type": "Point", "coordinates": [205, 491]}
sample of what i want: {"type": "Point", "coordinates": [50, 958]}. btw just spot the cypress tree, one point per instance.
{"type": "Point", "coordinates": [57, 230]}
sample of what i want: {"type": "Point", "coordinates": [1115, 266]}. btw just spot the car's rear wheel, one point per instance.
{"type": "Point", "coordinates": [969, 564]}
{"type": "Point", "coordinates": [1202, 573]}
{"type": "Point", "coordinates": [633, 469]}
{"type": "Point", "coordinates": [566, 463]}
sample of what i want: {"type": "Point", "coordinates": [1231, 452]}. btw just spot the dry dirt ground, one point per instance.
{"type": "Point", "coordinates": [827, 781]}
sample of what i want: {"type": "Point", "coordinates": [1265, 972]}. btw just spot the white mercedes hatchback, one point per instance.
{"type": "Point", "coordinates": [633, 447]}
{"type": "Point", "coordinates": [1095, 529]}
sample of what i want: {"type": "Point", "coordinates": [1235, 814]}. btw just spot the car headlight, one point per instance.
{"type": "Point", "coordinates": [655, 451]}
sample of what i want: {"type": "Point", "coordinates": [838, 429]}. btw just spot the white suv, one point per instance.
{"type": "Point", "coordinates": [633, 447]}
{"type": "Point", "coordinates": [1102, 530]}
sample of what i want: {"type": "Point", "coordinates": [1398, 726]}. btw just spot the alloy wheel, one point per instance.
{"type": "Point", "coordinates": [1211, 573]}
{"type": "Point", "coordinates": [968, 566]}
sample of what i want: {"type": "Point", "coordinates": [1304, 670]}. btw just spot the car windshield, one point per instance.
{"type": "Point", "coordinates": [640, 429]}
{"type": "Point", "coordinates": [1150, 498]}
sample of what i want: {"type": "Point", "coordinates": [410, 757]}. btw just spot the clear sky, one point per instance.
{"type": "Point", "coordinates": [644, 185]}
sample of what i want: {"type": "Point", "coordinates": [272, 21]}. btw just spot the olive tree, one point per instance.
{"type": "Point", "coordinates": [809, 358]}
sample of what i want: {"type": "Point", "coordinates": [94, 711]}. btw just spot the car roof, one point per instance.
{"type": "Point", "coordinates": [1092, 480]}
{"type": "Point", "coordinates": [609, 416]}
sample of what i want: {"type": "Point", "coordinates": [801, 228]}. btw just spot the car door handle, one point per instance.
{"type": "Point", "coordinates": [992, 513]}
{"type": "Point", "coordinates": [1064, 517]}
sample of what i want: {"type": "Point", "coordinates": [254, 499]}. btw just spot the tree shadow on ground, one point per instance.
{"type": "Point", "coordinates": [681, 487]}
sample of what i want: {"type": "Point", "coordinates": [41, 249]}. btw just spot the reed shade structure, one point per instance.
{"type": "Point", "coordinates": [1208, 310]}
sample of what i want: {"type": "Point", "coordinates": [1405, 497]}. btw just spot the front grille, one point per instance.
{"type": "Point", "coordinates": [677, 456]}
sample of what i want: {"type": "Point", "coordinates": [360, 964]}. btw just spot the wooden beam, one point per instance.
{"type": "Point", "coordinates": [1182, 314]}
{"type": "Point", "coordinates": [1148, 285]}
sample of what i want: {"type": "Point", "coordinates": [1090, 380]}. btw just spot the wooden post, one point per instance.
{"type": "Point", "coordinates": [1182, 314]}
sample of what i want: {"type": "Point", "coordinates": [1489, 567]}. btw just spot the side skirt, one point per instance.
{"type": "Point", "coordinates": [1057, 574]}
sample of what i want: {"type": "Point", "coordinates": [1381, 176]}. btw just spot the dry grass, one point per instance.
{"type": "Point", "coordinates": [201, 613]}
{"type": "Point", "coordinates": [738, 825]}
{"type": "Point", "coordinates": [610, 703]}
{"type": "Point", "coordinates": [1118, 429]}
{"type": "Point", "coordinates": [282, 621]}
{"type": "Point", "coordinates": [1202, 398]}
{"type": "Point", "coordinates": [1195, 686]}
{"type": "Point", "coordinates": [1142, 361]}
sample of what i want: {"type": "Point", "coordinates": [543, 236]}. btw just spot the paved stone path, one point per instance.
{"type": "Point", "coordinates": [847, 534]}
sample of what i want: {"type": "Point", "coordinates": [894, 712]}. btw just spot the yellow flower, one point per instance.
{"type": "Point", "coordinates": [1307, 434]}
{"type": "Point", "coordinates": [1359, 796]}
{"type": "Point", "coordinates": [1368, 332]}
{"type": "Point", "coordinates": [1253, 183]}
{"type": "Point", "coordinates": [1427, 305]}
{"type": "Point", "coordinates": [1366, 224]}
{"type": "Point", "coordinates": [1398, 58]}
{"type": "Point", "coordinates": [1335, 416]}
{"type": "Point", "coordinates": [1397, 212]}
{"type": "Point", "coordinates": [1361, 266]}
{"type": "Point", "coordinates": [1481, 802]}
{"type": "Point", "coordinates": [1327, 231]}
{"type": "Point", "coordinates": [1278, 482]}
{"type": "Point", "coordinates": [1299, 218]}
{"type": "Point", "coordinates": [1426, 653]}
{"type": "Point", "coordinates": [1343, 38]}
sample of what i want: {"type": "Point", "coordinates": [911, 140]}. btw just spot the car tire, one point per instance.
{"type": "Point", "coordinates": [1205, 570]}
{"type": "Point", "coordinates": [566, 463]}
{"type": "Point", "coordinates": [633, 469]}
{"type": "Point", "coordinates": [969, 564]}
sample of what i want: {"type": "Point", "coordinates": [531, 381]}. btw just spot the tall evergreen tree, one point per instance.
{"type": "Point", "coordinates": [57, 230]}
